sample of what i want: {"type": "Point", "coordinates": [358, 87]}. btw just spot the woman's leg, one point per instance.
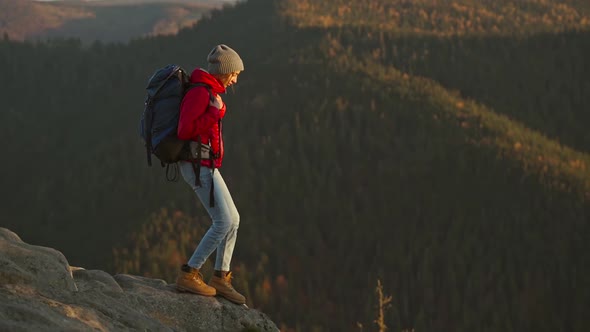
{"type": "Point", "coordinates": [225, 249]}
{"type": "Point", "coordinates": [225, 218]}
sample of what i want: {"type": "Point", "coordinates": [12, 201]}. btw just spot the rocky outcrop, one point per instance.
{"type": "Point", "coordinates": [39, 291]}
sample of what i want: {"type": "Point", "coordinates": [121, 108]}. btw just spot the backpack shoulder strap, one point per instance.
{"type": "Point", "coordinates": [206, 86]}
{"type": "Point", "coordinates": [197, 162]}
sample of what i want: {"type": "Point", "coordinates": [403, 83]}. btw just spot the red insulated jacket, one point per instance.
{"type": "Point", "coordinates": [199, 119]}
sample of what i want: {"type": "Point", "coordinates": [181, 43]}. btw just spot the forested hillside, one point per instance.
{"type": "Point", "coordinates": [449, 163]}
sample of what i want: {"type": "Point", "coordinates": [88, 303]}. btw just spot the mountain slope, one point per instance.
{"type": "Point", "coordinates": [346, 168]}
{"type": "Point", "coordinates": [527, 65]}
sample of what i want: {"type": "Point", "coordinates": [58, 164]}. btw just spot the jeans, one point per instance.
{"type": "Point", "coordinates": [225, 217]}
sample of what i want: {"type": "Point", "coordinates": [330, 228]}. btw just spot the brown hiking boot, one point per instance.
{"type": "Point", "coordinates": [191, 280]}
{"type": "Point", "coordinates": [225, 289]}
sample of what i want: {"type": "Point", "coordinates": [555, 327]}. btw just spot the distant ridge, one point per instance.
{"type": "Point", "coordinates": [106, 21]}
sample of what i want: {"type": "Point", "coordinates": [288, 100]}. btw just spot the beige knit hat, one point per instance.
{"type": "Point", "coordinates": [223, 60]}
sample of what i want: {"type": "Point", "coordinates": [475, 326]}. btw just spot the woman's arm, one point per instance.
{"type": "Point", "coordinates": [197, 116]}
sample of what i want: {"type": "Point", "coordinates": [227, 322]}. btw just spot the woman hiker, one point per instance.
{"type": "Point", "coordinates": [200, 120]}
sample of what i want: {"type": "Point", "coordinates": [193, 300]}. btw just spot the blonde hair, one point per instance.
{"type": "Point", "coordinates": [224, 78]}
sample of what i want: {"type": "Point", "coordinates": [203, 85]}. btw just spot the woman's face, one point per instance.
{"type": "Point", "coordinates": [229, 79]}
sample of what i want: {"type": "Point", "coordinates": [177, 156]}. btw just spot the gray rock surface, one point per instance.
{"type": "Point", "coordinates": [39, 291]}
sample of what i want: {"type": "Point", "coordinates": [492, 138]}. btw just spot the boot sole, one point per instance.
{"type": "Point", "coordinates": [188, 290]}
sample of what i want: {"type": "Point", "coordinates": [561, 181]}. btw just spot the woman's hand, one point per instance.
{"type": "Point", "coordinates": [217, 102]}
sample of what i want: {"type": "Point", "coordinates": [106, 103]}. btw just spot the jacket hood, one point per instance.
{"type": "Point", "coordinates": [200, 75]}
